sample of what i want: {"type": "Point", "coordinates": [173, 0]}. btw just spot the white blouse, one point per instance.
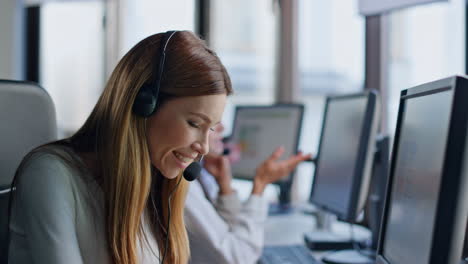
{"type": "Point", "coordinates": [226, 231]}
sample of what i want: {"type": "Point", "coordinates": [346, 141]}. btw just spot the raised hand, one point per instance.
{"type": "Point", "coordinates": [272, 169]}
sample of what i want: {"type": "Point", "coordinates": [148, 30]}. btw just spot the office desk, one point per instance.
{"type": "Point", "coordinates": [289, 229]}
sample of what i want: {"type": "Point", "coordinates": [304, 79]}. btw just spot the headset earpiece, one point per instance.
{"type": "Point", "coordinates": [145, 102]}
{"type": "Point", "coordinates": [147, 96]}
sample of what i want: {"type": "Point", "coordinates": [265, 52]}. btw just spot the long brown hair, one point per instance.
{"type": "Point", "coordinates": [117, 139]}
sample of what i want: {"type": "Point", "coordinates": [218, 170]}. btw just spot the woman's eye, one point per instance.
{"type": "Point", "coordinates": [212, 129]}
{"type": "Point", "coordinates": [193, 124]}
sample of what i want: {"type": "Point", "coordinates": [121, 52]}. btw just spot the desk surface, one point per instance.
{"type": "Point", "coordinates": [289, 229]}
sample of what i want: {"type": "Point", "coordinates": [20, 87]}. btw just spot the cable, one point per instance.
{"type": "Point", "coordinates": [169, 220]}
{"type": "Point", "coordinates": [160, 224]}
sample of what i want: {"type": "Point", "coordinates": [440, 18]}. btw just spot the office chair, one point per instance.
{"type": "Point", "coordinates": [27, 117]}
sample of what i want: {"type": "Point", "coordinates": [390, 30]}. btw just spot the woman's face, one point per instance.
{"type": "Point", "coordinates": [178, 132]}
{"type": "Point", "coordinates": [216, 140]}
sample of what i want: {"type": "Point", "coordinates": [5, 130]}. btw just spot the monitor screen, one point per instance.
{"type": "Point", "coordinates": [259, 130]}
{"type": "Point", "coordinates": [417, 174]}
{"type": "Point", "coordinates": [338, 153]}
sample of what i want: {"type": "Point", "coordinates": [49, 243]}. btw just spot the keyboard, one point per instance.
{"type": "Point", "coordinates": [287, 255]}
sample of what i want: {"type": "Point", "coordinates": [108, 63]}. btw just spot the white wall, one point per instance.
{"type": "Point", "coordinates": [72, 59]}
{"type": "Point", "coordinates": [142, 18]}
{"type": "Point", "coordinates": [11, 39]}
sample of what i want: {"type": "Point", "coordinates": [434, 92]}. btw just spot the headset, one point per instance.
{"type": "Point", "coordinates": [145, 106]}
{"type": "Point", "coordinates": [147, 97]}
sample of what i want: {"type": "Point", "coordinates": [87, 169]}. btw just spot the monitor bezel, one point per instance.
{"type": "Point", "coordinates": [361, 181]}
{"type": "Point", "coordinates": [288, 181]}
{"type": "Point", "coordinates": [452, 206]}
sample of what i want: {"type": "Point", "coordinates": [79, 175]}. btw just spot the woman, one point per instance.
{"type": "Point", "coordinates": [103, 195]}
{"type": "Point", "coordinates": [235, 230]}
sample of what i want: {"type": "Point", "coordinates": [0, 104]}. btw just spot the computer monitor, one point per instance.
{"type": "Point", "coordinates": [259, 130]}
{"type": "Point", "coordinates": [426, 205]}
{"type": "Point", "coordinates": [378, 187]}
{"type": "Point", "coordinates": [346, 153]}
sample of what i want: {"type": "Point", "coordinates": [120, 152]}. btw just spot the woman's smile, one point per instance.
{"type": "Point", "coordinates": [182, 160]}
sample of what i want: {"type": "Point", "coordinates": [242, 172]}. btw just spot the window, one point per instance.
{"type": "Point", "coordinates": [146, 17]}
{"type": "Point", "coordinates": [243, 34]}
{"type": "Point", "coordinates": [72, 45]}
{"type": "Point", "coordinates": [426, 43]}
{"type": "Point", "coordinates": [331, 61]}
{"type": "Point", "coordinates": [71, 59]}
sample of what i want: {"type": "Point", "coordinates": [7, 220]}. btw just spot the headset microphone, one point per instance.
{"type": "Point", "coordinates": [193, 170]}
{"type": "Point", "coordinates": [226, 151]}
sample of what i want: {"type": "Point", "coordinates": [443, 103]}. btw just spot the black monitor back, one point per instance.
{"type": "Point", "coordinates": [426, 206]}
{"type": "Point", "coordinates": [345, 155]}
{"type": "Point", "coordinates": [378, 187]}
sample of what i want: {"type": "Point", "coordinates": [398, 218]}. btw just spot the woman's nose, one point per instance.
{"type": "Point", "coordinates": [202, 146]}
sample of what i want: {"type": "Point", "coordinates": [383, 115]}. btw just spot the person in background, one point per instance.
{"type": "Point", "coordinates": [113, 192]}
{"type": "Point", "coordinates": [221, 229]}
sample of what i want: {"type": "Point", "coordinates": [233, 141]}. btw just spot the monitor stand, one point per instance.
{"type": "Point", "coordinates": [349, 257]}
{"type": "Point", "coordinates": [375, 210]}
{"type": "Point", "coordinates": [359, 256]}
{"type": "Point", "coordinates": [284, 201]}
{"type": "Point", "coordinates": [323, 237]}
{"type": "Point", "coordinates": [279, 209]}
